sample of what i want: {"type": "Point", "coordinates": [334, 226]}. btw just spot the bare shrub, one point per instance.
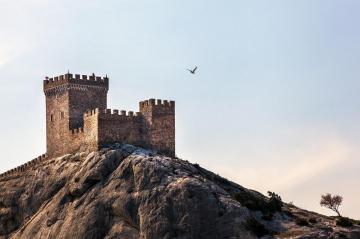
{"type": "Point", "coordinates": [331, 202]}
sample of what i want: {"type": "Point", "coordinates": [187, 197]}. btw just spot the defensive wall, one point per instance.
{"type": "Point", "coordinates": [24, 167]}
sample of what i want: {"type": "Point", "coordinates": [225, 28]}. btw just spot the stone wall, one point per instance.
{"type": "Point", "coordinates": [153, 127]}
{"type": "Point", "coordinates": [75, 141]}
{"type": "Point", "coordinates": [123, 128]}
{"type": "Point", "coordinates": [82, 99]}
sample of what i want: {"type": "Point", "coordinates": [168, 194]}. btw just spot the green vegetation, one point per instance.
{"type": "Point", "coordinates": [196, 165]}
{"type": "Point", "coordinates": [344, 222]}
{"type": "Point", "coordinates": [251, 201]}
{"type": "Point", "coordinates": [256, 227]}
{"type": "Point", "coordinates": [275, 202]}
{"type": "Point", "coordinates": [256, 203]}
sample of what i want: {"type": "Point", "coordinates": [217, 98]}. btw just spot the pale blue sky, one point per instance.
{"type": "Point", "coordinates": [275, 104]}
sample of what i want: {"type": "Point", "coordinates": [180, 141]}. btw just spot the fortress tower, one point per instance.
{"type": "Point", "coordinates": [67, 98]}
{"type": "Point", "coordinates": [159, 122]}
{"type": "Point", "coordinates": [77, 118]}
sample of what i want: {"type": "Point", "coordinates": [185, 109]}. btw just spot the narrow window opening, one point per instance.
{"type": "Point", "coordinates": [51, 118]}
{"type": "Point", "coordinates": [62, 115]}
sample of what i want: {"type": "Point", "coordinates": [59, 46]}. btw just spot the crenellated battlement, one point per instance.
{"type": "Point", "coordinates": [77, 79]}
{"type": "Point", "coordinates": [77, 131]}
{"type": "Point", "coordinates": [90, 113]}
{"type": "Point", "coordinates": [158, 102]}
{"type": "Point", "coordinates": [116, 114]}
{"type": "Point", "coordinates": [121, 113]}
{"type": "Point", "coordinates": [24, 167]}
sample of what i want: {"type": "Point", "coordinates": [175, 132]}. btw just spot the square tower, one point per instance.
{"type": "Point", "coordinates": [67, 98]}
{"type": "Point", "coordinates": [159, 124]}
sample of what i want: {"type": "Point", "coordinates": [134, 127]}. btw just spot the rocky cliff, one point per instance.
{"type": "Point", "coordinates": [127, 192]}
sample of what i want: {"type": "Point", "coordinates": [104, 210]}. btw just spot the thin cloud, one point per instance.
{"type": "Point", "coordinates": [286, 169]}
{"type": "Point", "coordinates": [309, 164]}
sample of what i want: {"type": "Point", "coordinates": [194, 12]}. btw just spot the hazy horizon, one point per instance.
{"type": "Point", "coordinates": [274, 105]}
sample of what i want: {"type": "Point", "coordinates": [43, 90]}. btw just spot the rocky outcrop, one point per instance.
{"type": "Point", "coordinates": [128, 192]}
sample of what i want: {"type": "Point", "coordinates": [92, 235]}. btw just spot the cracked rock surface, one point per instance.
{"type": "Point", "coordinates": [131, 193]}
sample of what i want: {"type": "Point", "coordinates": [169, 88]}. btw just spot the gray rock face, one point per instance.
{"type": "Point", "coordinates": [127, 192]}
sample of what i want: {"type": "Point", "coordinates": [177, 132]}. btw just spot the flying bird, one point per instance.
{"type": "Point", "coordinates": [193, 71]}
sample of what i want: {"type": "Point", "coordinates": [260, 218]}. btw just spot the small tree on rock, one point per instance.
{"type": "Point", "coordinates": [331, 202]}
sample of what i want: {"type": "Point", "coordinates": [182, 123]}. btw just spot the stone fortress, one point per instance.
{"type": "Point", "coordinates": [77, 119]}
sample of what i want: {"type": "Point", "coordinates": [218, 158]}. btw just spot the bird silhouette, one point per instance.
{"type": "Point", "coordinates": [193, 71]}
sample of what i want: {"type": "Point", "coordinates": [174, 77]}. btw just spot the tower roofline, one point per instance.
{"type": "Point", "coordinates": [77, 79]}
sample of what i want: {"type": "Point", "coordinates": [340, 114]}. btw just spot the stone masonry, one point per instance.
{"type": "Point", "coordinates": [77, 118]}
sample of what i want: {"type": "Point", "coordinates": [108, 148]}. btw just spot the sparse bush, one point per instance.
{"type": "Point", "coordinates": [275, 202]}
{"type": "Point", "coordinates": [196, 165]}
{"type": "Point", "coordinates": [256, 227]}
{"type": "Point", "coordinates": [331, 202]}
{"type": "Point", "coordinates": [257, 203]}
{"type": "Point", "coordinates": [250, 201]}
{"type": "Point", "coordinates": [344, 222]}
{"type": "Point", "coordinates": [302, 222]}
